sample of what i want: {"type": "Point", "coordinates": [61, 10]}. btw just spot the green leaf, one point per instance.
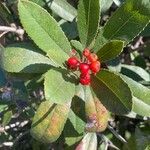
{"type": "Point", "coordinates": [78, 124]}
{"type": "Point", "coordinates": [39, 2]}
{"type": "Point", "coordinates": [58, 86]}
{"type": "Point", "coordinates": [63, 9]}
{"type": "Point", "coordinates": [17, 59]}
{"type": "Point", "coordinates": [49, 121]}
{"type": "Point", "coordinates": [73, 130]}
{"type": "Point", "coordinates": [44, 31]}
{"type": "Point", "coordinates": [141, 95]}
{"type": "Point", "coordinates": [6, 117]}
{"type": "Point", "coordinates": [89, 142]}
{"type": "Point", "coordinates": [113, 92]}
{"type": "Point", "coordinates": [3, 107]}
{"type": "Point", "coordinates": [135, 72]}
{"type": "Point", "coordinates": [128, 21]}
{"type": "Point", "coordinates": [88, 20]}
{"type": "Point", "coordinates": [110, 50]}
{"type": "Point", "coordinates": [78, 47]}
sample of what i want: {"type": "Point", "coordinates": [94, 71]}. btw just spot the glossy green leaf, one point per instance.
{"type": "Point", "coordinates": [58, 86]}
{"type": "Point", "coordinates": [88, 20]}
{"type": "Point", "coordinates": [44, 31]}
{"type": "Point", "coordinates": [113, 92]}
{"type": "Point", "coordinates": [49, 121]}
{"type": "Point", "coordinates": [127, 22]}
{"type": "Point", "coordinates": [17, 59]}
{"type": "Point", "coordinates": [135, 72]}
{"type": "Point", "coordinates": [89, 142]}
{"type": "Point", "coordinates": [63, 9]}
{"type": "Point", "coordinates": [141, 97]}
{"type": "Point", "coordinates": [110, 50]}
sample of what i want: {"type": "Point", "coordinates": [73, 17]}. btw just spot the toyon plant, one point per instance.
{"type": "Point", "coordinates": [81, 92]}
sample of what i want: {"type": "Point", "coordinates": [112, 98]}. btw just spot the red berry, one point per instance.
{"type": "Point", "coordinates": [86, 52]}
{"type": "Point", "coordinates": [73, 63]}
{"type": "Point", "coordinates": [85, 79]}
{"type": "Point", "coordinates": [92, 57]}
{"type": "Point", "coordinates": [95, 66]}
{"type": "Point", "coordinates": [84, 68]}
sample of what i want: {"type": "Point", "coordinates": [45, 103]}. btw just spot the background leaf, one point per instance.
{"type": "Point", "coordinates": [56, 82]}
{"type": "Point", "coordinates": [17, 59]}
{"type": "Point", "coordinates": [44, 31]}
{"type": "Point", "coordinates": [6, 117]}
{"type": "Point", "coordinates": [63, 9]}
{"type": "Point", "coordinates": [88, 20]}
{"type": "Point", "coordinates": [141, 101]}
{"type": "Point", "coordinates": [113, 92]}
{"type": "Point", "coordinates": [135, 72]}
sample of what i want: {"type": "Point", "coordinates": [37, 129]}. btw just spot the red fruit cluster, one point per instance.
{"type": "Point", "coordinates": [89, 64]}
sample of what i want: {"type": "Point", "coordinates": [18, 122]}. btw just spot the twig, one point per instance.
{"type": "Point", "coordinates": [3, 33]}
{"type": "Point", "coordinates": [107, 142]}
{"type": "Point", "coordinates": [6, 29]}
{"type": "Point", "coordinates": [116, 134]}
{"type": "Point", "coordinates": [14, 125]}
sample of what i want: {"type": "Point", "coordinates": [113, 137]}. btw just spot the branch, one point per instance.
{"type": "Point", "coordinates": [6, 29]}
{"type": "Point", "coordinates": [116, 134]}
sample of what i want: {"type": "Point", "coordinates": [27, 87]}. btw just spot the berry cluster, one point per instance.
{"type": "Point", "coordinates": [89, 64]}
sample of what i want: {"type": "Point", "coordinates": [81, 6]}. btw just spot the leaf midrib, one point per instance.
{"type": "Point", "coordinates": [41, 26]}
{"type": "Point", "coordinates": [121, 27]}
{"type": "Point", "coordinates": [113, 92]}
{"type": "Point", "coordinates": [89, 11]}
